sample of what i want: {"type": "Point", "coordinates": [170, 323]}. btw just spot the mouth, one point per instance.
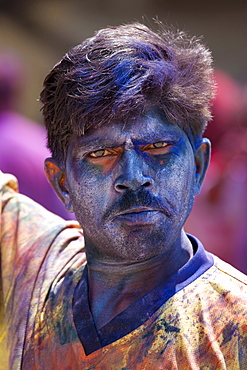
{"type": "Point", "coordinates": [138, 216]}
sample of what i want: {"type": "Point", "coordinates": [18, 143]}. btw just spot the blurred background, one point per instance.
{"type": "Point", "coordinates": [35, 34]}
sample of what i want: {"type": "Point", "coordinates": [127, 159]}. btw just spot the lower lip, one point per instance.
{"type": "Point", "coordinates": [139, 218]}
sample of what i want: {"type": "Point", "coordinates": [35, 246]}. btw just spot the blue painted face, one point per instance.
{"type": "Point", "coordinates": [132, 187]}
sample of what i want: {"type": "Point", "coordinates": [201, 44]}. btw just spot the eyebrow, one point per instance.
{"type": "Point", "coordinates": [166, 136]}
{"type": "Point", "coordinates": [104, 142]}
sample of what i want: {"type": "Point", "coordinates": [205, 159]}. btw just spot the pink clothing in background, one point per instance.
{"type": "Point", "coordinates": [22, 153]}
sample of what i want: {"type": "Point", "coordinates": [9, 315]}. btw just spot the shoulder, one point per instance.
{"type": "Point", "coordinates": [8, 181]}
{"type": "Point", "coordinates": [228, 276]}
{"type": "Point", "coordinates": [216, 272]}
{"type": "Point", "coordinates": [220, 289]}
{"type": "Point", "coordinates": [224, 291]}
{"type": "Point", "coordinates": [229, 272]}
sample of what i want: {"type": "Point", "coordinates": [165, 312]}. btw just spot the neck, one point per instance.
{"type": "Point", "coordinates": [115, 286]}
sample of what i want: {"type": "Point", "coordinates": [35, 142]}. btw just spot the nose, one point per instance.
{"type": "Point", "coordinates": [133, 173]}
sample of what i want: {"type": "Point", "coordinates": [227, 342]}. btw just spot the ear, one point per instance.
{"type": "Point", "coordinates": [58, 181]}
{"type": "Point", "coordinates": [202, 159]}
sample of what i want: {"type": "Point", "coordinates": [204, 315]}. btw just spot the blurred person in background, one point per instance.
{"type": "Point", "coordinates": [22, 141]}
{"type": "Point", "coordinates": [222, 203]}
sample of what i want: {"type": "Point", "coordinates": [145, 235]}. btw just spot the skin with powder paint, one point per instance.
{"type": "Point", "coordinates": [132, 188]}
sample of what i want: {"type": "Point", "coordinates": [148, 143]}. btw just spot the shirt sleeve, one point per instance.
{"type": "Point", "coordinates": [25, 228]}
{"type": "Point", "coordinates": [27, 233]}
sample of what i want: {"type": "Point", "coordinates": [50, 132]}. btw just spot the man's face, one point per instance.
{"type": "Point", "coordinates": [131, 187]}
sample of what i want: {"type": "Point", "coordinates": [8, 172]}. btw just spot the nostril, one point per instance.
{"type": "Point", "coordinates": [121, 187]}
{"type": "Point", "coordinates": [133, 185]}
{"type": "Point", "coordinates": [146, 184]}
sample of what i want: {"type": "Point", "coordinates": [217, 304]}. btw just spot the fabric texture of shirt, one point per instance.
{"type": "Point", "coordinates": [195, 319]}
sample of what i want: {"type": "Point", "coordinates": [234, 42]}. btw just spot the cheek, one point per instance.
{"type": "Point", "coordinates": [176, 180]}
{"type": "Point", "coordinates": [83, 170]}
{"type": "Point", "coordinates": [90, 190]}
{"type": "Point", "coordinates": [186, 189]}
{"type": "Point", "coordinates": [86, 177]}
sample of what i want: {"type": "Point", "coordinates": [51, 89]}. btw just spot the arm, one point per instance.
{"type": "Point", "coordinates": [24, 224]}
{"type": "Point", "coordinates": [10, 182]}
{"type": "Point", "coordinates": [27, 234]}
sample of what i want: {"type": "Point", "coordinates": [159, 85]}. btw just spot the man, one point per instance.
{"type": "Point", "coordinates": [125, 112]}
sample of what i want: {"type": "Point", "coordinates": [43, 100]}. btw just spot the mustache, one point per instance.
{"type": "Point", "coordinates": [132, 199]}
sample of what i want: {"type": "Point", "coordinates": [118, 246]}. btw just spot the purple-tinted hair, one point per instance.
{"type": "Point", "coordinates": [123, 71]}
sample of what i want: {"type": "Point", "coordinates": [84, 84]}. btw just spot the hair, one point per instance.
{"type": "Point", "coordinates": [123, 71]}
